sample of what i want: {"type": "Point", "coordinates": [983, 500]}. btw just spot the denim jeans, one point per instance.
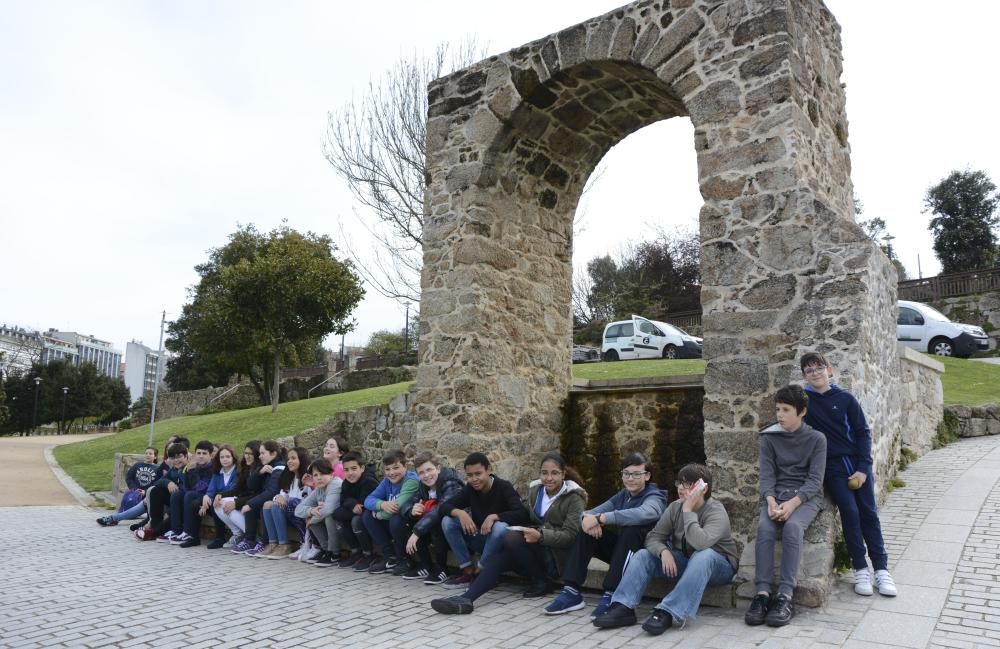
{"type": "Point", "coordinates": [463, 545]}
{"type": "Point", "coordinates": [276, 523]}
{"type": "Point", "coordinates": [703, 568]}
{"type": "Point", "coordinates": [129, 514]}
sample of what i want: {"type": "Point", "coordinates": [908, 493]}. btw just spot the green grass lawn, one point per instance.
{"type": "Point", "coordinates": [91, 463]}
{"type": "Point", "coordinates": [969, 383]}
{"type": "Point", "coordinates": [639, 369]}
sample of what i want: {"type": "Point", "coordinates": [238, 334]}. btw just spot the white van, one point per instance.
{"type": "Point", "coordinates": [926, 329]}
{"type": "Point", "coordinates": [642, 338]}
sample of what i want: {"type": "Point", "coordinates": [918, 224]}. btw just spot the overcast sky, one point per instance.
{"type": "Point", "coordinates": [135, 136]}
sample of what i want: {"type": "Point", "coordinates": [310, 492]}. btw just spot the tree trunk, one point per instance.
{"type": "Point", "coordinates": [277, 379]}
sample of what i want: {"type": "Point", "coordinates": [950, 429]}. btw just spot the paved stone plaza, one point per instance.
{"type": "Point", "coordinates": [70, 583]}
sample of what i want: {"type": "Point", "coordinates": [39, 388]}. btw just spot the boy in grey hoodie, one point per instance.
{"type": "Point", "coordinates": [792, 462]}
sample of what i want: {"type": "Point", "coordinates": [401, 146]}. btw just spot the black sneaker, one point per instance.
{"type": "Point", "coordinates": [617, 615]}
{"type": "Point", "coordinates": [391, 563]}
{"type": "Point", "coordinates": [190, 542]}
{"type": "Point", "coordinates": [364, 563]}
{"type": "Point", "coordinates": [378, 567]}
{"type": "Point", "coordinates": [538, 588]}
{"type": "Point", "coordinates": [415, 573]}
{"type": "Point", "coordinates": [325, 559]}
{"type": "Point", "coordinates": [658, 622]}
{"type": "Point", "coordinates": [401, 569]}
{"type": "Point", "coordinates": [351, 560]}
{"type": "Point", "coordinates": [106, 521]}
{"type": "Point", "coordinates": [216, 544]}
{"type": "Point", "coordinates": [435, 578]}
{"type": "Point", "coordinates": [454, 605]}
{"type": "Point", "coordinates": [757, 612]}
{"type": "Point", "coordinates": [138, 524]}
{"type": "Point", "coordinates": [781, 612]}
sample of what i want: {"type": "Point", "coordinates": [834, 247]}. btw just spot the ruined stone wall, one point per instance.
{"type": "Point", "coordinates": [510, 144]}
{"type": "Point", "coordinates": [189, 402]}
{"type": "Point", "coordinates": [976, 421]}
{"type": "Point", "coordinates": [372, 430]}
{"type": "Point", "coordinates": [922, 405]}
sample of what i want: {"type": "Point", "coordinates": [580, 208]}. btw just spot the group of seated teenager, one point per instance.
{"type": "Point", "coordinates": [408, 522]}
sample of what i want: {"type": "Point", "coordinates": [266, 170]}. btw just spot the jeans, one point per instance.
{"type": "Point", "coordinates": [387, 535]}
{"type": "Point", "coordinates": [703, 568]}
{"type": "Point", "coordinates": [129, 514]}
{"type": "Point", "coordinates": [354, 534]}
{"type": "Point", "coordinates": [464, 545]}
{"type": "Point", "coordinates": [276, 523]}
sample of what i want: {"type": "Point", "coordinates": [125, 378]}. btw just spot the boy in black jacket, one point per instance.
{"type": "Point", "coordinates": [422, 519]}
{"type": "Point", "coordinates": [493, 505]}
{"type": "Point", "coordinates": [359, 481]}
{"type": "Point", "coordinates": [185, 523]}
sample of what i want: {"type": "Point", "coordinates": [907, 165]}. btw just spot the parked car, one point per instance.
{"type": "Point", "coordinates": [926, 329]}
{"type": "Point", "coordinates": [585, 354]}
{"type": "Point", "coordinates": [642, 338]}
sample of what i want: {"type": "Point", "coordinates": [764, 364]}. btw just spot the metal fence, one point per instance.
{"type": "Point", "coordinates": [950, 285]}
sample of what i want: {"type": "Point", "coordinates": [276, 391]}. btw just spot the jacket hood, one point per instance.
{"type": "Point", "coordinates": [776, 429]}
{"type": "Point", "coordinates": [568, 486]}
{"type": "Point", "coordinates": [447, 475]}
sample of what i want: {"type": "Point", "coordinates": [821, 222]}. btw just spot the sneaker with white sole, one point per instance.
{"type": "Point", "coordinates": [232, 542]}
{"type": "Point", "coordinates": [242, 546]}
{"type": "Point", "coordinates": [165, 537]}
{"type": "Point", "coordinates": [179, 538]}
{"type": "Point", "coordinates": [863, 582]}
{"type": "Point", "coordinates": [883, 581]}
{"type": "Point", "coordinates": [294, 556]}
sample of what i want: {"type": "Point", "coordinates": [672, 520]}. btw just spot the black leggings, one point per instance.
{"type": "Point", "coordinates": [515, 554]}
{"type": "Point", "coordinates": [614, 547]}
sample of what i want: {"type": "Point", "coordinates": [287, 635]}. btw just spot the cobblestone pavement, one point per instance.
{"type": "Point", "coordinates": [70, 583]}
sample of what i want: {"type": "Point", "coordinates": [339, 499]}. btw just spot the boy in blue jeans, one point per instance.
{"type": "Point", "coordinates": [848, 477]}
{"type": "Point", "coordinates": [792, 457]}
{"type": "Point", "coordinates": [383, 518]}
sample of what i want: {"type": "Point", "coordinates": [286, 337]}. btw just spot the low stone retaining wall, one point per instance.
{"type": "Point", "coordinates": [920, 399]}
{"type": "Point", "coordinates": [976, 421]}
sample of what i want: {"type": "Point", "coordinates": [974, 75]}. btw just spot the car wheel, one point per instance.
{"type": "Point", "coordinates": [611, 355]}
{"type": "Point", "coordinates": [941, 347]}
{"type": "Point", "coordinates": [670, 351]}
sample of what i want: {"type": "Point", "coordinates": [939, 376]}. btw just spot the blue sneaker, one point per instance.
{"type": "Point", "coordinates": [602, 605]}
{"type": "Point", "coordinates": [242, 546]}
{"type": "Point", "coordinates": [567, 600]}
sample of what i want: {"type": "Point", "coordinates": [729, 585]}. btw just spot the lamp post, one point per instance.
{"type": "Point", "coordinates": [34, 413]}
{"type": "Point", "coordinates": [406, 330]}
{"type": "Point", "coordinates": [62, 419]}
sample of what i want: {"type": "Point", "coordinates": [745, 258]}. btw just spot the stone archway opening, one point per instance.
{"type": "Point", "coordinates": [510, 143]}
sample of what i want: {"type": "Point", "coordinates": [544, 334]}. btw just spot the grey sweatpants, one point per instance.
{"type": "Point", "coordinates": [325, 533]}
{"type": "Point", "coordinates": [792, 532]}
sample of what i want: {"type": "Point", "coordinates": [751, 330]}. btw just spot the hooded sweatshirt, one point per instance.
{"type": "Point", "coordinates": [326, 499]}
{"type": "Point", "coordinates": [792, 464]}
{"type": "Point", "coordinates": [623, 509]}
{"type": "Point", "coordinates": [141, 475]}
{"type": "Point", "coordinates": [270, 488]}
{"type": "Point", "coordinates": [838, 415]}
{"type": "Point", "coordinates": [559, 523]}
{"type": "Point", "coordinates": [401, 492]}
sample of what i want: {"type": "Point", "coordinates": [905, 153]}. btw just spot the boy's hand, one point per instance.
{"type": "Point", "coordinates": [280, 501]}
{"type": "Point", "coordinates": [788, 507]}
{"type": "Point", "coordinates": [411, 544]}
{"type": "Point", "coordinates": [142, 492]}
{"type": "Point", "coordinates": [205, 503]}
{"type": "Point", "coordinates": [860, 477]}
{"type": "Point", "coordinates": [773, 509]}
{"type": "Point", "coordinates": [693, 502]}
{"type": "Point", "coordinates": [267, 468]}
{"type": "Point", "coordinates": [389, 506]}
{"type": "Point", "coordinates": [357, 509]}
{"type": "Point", "coordinates": [418, 510]}
{"type": "Point", "coordinates": [531, 535]}
{"type": "Point", "coordinates": [315, 511]}
{"type": "Point", "coordinates": [171, 487]}
{"type": "Point", "coordinates": [591, 525]}
{"type": "Point", "coordinates": [668, 563]}
{"type": "Point", "coordinates": [245, 509]}
{"type": "Point", "coordinates": [468, 526]}
{"type": "Point", "coordinates": [487, 525]}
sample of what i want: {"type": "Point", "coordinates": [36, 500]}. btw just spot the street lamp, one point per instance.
{"type": "Point", "coordinates": [62, 419]}
{"type": "Point", "coordinates": [406, 330]}
{"type": "Point", "coordinates": [34, 413]}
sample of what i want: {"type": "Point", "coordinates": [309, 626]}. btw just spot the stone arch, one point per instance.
{"type": "Point", "coordinates": [510, 144]}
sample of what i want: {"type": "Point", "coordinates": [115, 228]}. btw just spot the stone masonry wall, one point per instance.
{"type": "Point", "coordinates": [976, 421]}
{"type": "Point", "coordinates": [921, 400]}
{"type": "Point", "coordinates": [511, 142]}
{"type": "Point", "coordinates": [188, 402]}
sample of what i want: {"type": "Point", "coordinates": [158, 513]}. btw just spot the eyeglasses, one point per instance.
{"type": "Point", "coordinates": [555, 473]}
{"type": "Point", "coordinates": [813, 371]}
{"type": "Point", "coordinates": [634, 475]}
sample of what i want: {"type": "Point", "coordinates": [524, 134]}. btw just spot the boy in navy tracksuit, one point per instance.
{"type": "Point", "coordinates": [848, 480]}
{"type": "Point", "coordinates": [185, 522]}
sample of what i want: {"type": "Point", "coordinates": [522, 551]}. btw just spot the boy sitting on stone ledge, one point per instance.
{"type": "Point", "coordinates": [792, 458]}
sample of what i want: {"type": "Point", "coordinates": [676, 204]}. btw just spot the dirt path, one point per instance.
{"type": "Point", "coordinates": [25, 476]}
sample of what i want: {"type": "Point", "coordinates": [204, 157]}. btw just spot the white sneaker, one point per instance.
{"type": "Point", "coordinates": [232, 541]}
{"type": "Point", "coordinates": [180, 538]}
{"type": "Point", "coordinates": [886, 586]}
{"type": "Point", "coordinates": [863, 582]}
{"type": "Point", "coordinates": [294, 556]}
{"type": "Point", "coordinates": [311, 554]}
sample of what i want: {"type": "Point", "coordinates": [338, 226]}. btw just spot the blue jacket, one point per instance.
{"type": "Point", "coordinates": [838, 415]}
{"type": "Point", "coordinates": [197, 478]}
{"type": "Point", "coordinates": [219, 484]}
{"type": "Point", "coordinates": [389, 491]}
{"type": "Point", "coordinates": [623, 509]}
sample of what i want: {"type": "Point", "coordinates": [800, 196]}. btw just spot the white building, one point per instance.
{"type": "Point", "coordinates": [95, 351]}
{"type": "Point", "coordinates": [140, 369]}
{"type": "Point", "coordinates": [21, 348]}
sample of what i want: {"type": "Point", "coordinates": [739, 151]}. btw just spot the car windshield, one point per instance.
{"type": "Point", "coordinates": [933, 314]}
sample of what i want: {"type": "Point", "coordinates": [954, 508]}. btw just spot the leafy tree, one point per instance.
{"type": "Point", "coordinates": [376, 144]}
{"type": "Point", "coordinates": [651, 278]}
{"type": "Point", "coordinates": [381, 343]}
{"type": "Point", "coordinates": [965, 209]}
{"type": "Point", "coordinates": [187, 370]}
{"type": "Point", "coordinates": [265, 299]}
